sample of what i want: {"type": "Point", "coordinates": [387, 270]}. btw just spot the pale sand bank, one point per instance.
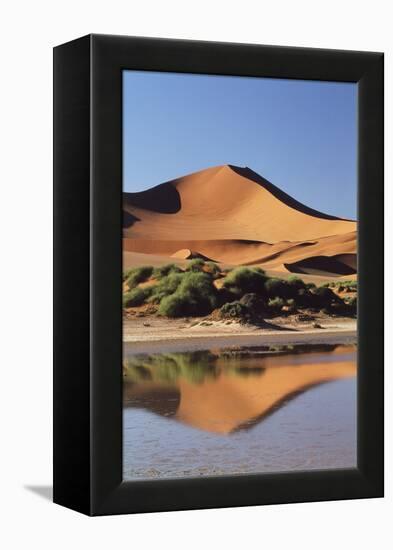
{"type": "Point", "coordinates": [148, 335]}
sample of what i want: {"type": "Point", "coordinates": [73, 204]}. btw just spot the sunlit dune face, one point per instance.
{"type": "Point", "coordinates": [229, 398]}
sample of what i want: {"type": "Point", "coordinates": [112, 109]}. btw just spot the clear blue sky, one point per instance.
{"type": "Point", "coordinates": [300, 135]}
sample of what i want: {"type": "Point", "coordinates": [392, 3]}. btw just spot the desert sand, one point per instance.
{"type": "Point", "coordinates": [149, 334]}
{"type": "Point", "coordinates": [234, 216]}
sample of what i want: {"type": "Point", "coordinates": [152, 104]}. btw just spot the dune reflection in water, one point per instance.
{"type": "Point", "coordinates": [239, 411]}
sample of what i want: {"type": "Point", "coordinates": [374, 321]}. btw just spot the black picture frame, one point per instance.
{"type": "Point", "coordinates": [87, 274]}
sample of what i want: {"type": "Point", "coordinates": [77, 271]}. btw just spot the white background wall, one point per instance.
{"type": "Point", "coordinates": [29, 30]}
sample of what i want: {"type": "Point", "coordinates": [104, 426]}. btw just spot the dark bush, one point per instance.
{"type": "Point", "coordinates": [200, 287]}
{"type": "Point", "coordinates": [324, 298]}
{"type": "Point", "coordinates": [195, 265]}
{"type": "Point", "coordinates": [291, 305]}
{"type": "Point", "coordinates": [166, 286]}
{"type": "Point", "coordinates": [350, 286]}
{"type": "Point", "coordinates": [233, 310]}
{"type": "Point", "coordinates": [338, 308]}
{"type": "Point", "coordinates": [126, 274]}
{"type": "Point", "coordinates": [246, 279]}
{"type": "Point", "coordinates": [138, 275]}
{"type": "Point", "coordinates": [225, 295]}
{"type": "Point", "coordinates": [174, 306]}
{"type": "Point", "coordinates": [194, 295]}
{"type": "Point", "coordinates": [279, 288]}
{"type": "Point", "coordinates": [164, 270]}
{"type": "Point", "coordinates": [296, 282]}
{"type": "Point", "coordinates": [255, 304]}
{"type": "Point", "coordinates": [136, 297]}
{"type": "Point", "coordinates": [352, 302]}
{"type": "Point", "coordinates": [304, 298]}
{"type": "Point", "coordinates": [276, 304]}
{"type": "Point", "coordinates": [326, 294]}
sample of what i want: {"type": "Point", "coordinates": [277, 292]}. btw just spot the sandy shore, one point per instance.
{"type": "Point", "coordinates": [146, 335]}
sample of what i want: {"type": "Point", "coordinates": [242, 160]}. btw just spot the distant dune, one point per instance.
{"type": "Point", "coordinates": [234, 216]}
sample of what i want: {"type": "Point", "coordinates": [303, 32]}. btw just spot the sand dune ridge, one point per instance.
{"type": "Point", "coordinates": [233, 215]}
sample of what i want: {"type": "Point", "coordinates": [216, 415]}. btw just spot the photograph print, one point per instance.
{"type": "Point", "coordinates": [239, 275]}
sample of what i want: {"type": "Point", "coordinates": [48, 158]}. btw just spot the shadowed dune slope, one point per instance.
{"type": "Point", "coordinates": [233, 215]}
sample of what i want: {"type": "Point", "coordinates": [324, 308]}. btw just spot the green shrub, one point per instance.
{"type": "Point", "coordinates": [296, 282]}
{"type": "Point", "coordinates": [276, 303]}
{"type": "Point", "coordinates": [324, 297]}
{"type": "Point", "coordinates": [234, 310]}
{"type": "Point", "coordinates": [200, 287]}
{"type": "Point", "coordinates": [164, 270]}
{"type": "Point", "coordinates": [304, 298]}
{"type": "Point", "coordinates": [254, 302]}
{"type": "Point", "coordinates": [278, 287]}
{"type": "Point", "coordinates": [165, 287]}
{"type": "Point", "coordinates": [338, 308]}
{"type": "Point", "coordinates": [343, 285]}
{"type": "Point", "coordinates": [174, 306]}
{"type": "Point", "coordinates": [195, 265]}
{"type": "Point", "coordinates": [246, 280]}
{"type": "Point", "coordinates": [230, 294]}
{"type": "Point", "coordinates": [349, 284]}
{"type": "Point", "coordinates": [138, 275]}
{"type": "Point", "coordinates": [325, 293]}
{"type": "Point", "coordinates": [126, 274]}
{"type": "Point", "coordinates": [284, 289]}
{"type": "Point", "coordinates": [136, 297]}
{"type": "Point", "coordinates": [194, 295]}
{"type": "Point", "coordinates": [250, 307]}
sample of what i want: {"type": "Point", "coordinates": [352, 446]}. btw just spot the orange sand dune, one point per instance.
{"type": "Point", "coordinates": [233, 215]}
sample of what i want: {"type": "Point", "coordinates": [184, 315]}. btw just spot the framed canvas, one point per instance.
{"type": "Point", "coordinates": [218, 275]}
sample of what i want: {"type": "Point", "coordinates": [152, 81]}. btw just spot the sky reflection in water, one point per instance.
{"type": "Point", "coordinates": [243, 410]}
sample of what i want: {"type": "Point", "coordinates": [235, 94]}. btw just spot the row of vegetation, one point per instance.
{"type": "Point", "coordinates": [343, 286]}
{"type": "Point", "coordinates": [244, 292]}
{"type": "Point", "coordinates": [197, 366]}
